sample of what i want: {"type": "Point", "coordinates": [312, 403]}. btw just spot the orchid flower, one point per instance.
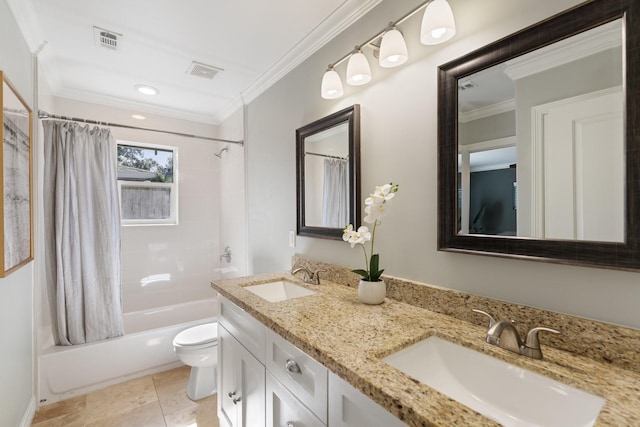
{"type": "Point", "coordinates": [377, 206]}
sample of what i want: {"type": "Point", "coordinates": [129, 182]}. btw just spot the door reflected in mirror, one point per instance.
{"type": "Point", "coordinates": [541, 142]}
{"type": "Point", "coordinates": [328, 174]}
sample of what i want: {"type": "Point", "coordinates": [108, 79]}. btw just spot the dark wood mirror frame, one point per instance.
{"type": "Point", "coordinates": [622, 256]}
{"type": "Point", "coordinates": [350, 115]}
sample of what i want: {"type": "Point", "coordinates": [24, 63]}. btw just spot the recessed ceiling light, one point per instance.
{"type": "Point", "coordinates": [147, 90]}
{"type": "Point", "coordinates": [138, 116]}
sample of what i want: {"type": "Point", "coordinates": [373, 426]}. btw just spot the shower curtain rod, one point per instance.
{"type": "Point", "coordinates": [45, 115]}
{"type": "Point", "coordinates": [327, 155]}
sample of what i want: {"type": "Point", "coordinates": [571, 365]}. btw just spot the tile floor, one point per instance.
{"type": "Point", "coordinates": [153, 401]}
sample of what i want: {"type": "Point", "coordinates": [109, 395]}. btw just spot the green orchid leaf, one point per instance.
{"type": "Point", "coordinates": [363, 273]}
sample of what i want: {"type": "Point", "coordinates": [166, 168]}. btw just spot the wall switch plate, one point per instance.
{"type": "Point", "coordinates": [292, 238]}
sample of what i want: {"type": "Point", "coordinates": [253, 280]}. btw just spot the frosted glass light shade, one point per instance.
{"type": "Point", "coordinates": [393, 49]}
{"type": "Point", "coordinates": [331, 85]}
{"type": "Point", "coordinates": [438, 24]}
{"type": "Point", "coordinates": [358, 70]}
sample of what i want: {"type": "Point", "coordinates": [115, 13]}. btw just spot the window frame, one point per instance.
{"type": "Point", "coordinates": [173, 219]}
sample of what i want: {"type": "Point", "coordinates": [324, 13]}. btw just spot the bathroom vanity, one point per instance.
{"type": "Point", "coordinates": [319, 360]}
{"type": "Point", "coordinates": [266, 380]}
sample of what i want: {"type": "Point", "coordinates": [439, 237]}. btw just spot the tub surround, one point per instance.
{"type": "Point", "coordinates": [351, 338]}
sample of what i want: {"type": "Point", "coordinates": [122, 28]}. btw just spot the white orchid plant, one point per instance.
{"type": "Point", "coordinates": [376, 207]}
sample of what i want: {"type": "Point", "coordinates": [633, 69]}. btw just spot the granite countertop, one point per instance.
{"type": "Point", "coordinates": [351, 338]}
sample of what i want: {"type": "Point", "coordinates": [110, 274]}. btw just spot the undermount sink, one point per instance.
{"type": "Point", "coordinates": [280, 290]}
{"type": "Point", "coordinates": [508, 394]}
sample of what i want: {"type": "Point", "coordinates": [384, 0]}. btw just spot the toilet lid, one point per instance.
{"type": "Point", "coordinates": [200, 334]}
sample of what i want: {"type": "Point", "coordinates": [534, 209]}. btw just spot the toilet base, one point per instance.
{"type": "Point", "coordinates": [202, 382]}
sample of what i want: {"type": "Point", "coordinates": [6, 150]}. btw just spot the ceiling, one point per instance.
{"type": "Point", "coordinates": [254, 42]}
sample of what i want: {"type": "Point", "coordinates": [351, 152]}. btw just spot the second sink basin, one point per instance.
{"type": "Point", "coordinates": [280, 290]}
{"type": "Point", "coordinates": [508, 394]}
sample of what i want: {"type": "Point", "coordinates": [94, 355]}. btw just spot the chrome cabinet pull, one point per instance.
{"type": "Point", "coordinates": [235, 400]}
{"type": "Point", "coordinates": [292, 366]}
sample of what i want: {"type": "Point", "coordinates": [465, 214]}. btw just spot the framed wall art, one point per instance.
{"type": "Point", "coordinates": [16, 216]}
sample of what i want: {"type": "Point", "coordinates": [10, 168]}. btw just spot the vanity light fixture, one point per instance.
{"type": "Point", "coordinates": [358, 69]}
{"type": "Point", "coordinates": [393, 49]}
{"type": "Point", "coordinates": [331, 85]}
{"type": "Point", "coordinates": [138, 117]}
{"type": "Point", "coordinates": [147, 90]}
{"type": "Point", "coordinates": [438, 26]}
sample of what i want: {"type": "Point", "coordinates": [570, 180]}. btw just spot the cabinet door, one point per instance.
{"type": "Point", "coordinates": [227, 410]}
{"type": "Point", "coordinates": [350, 408]}
{"type": "Point", "coordinates": [251, 378]}
{"type": "Point", "coordinates": [284, 410]}
{"type": "Point", "coordinates": [241, 384]}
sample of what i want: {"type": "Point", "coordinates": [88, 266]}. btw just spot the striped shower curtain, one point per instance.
{"type": "Point", "coordinates": [82, 233]}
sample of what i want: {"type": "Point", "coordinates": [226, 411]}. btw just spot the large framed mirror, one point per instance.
{"type": "Point", "coordinates": [539, 142]}
{"type": "Point", "coordinates": [328, 174]}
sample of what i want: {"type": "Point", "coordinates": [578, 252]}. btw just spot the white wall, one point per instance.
{"type": "Point", "coordinates": [17, 397]}
{"type": "Point", "coordinates": [399, 144]}
{"type": "Point", "coordinates": [232, 198]}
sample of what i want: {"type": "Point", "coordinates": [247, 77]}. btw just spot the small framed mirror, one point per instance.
{"type": "Point", "coordinates": [538, 142]}
{"type": "Point", "coordinates": [328, 174]}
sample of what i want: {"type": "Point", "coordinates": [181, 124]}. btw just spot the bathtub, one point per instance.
{"type": "Point", "coordinates": [146, 348]}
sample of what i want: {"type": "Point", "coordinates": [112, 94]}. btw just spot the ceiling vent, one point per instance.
{"type": "Point", "coordinates": [467, 84]}
{"type": "Point", "coordinates": [106, 39]}
{"type": "Point", "coordinates": [205, 71]}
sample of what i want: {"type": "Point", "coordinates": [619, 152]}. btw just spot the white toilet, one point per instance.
{"type": "Point", "coordinates": [197, 347]}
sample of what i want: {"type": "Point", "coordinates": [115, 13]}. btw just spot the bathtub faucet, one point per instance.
{"type": "Point", "coordinates": [226, 255]}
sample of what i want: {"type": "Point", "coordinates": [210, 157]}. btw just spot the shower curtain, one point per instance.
{"type": "Point", "coordinates": [334, 198]}
{"type": "Point", "coordinates": [82, 233]}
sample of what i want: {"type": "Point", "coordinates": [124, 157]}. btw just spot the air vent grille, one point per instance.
{"type": "Point", "coordinates": [205, 71]}
{"type": "Point", "coordinates": [106, 39]}
{"type": "Point", "coordinates": [467, 84]}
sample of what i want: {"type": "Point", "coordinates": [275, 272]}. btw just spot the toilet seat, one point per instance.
{"type": "Point", "coordinates": [197, 336]}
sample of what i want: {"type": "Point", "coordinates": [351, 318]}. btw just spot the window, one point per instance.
{"type": "Point", "coordinates": [147, 176]}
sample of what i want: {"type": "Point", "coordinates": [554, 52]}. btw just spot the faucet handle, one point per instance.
{"type": "Point", "coordinates": [492, 320]}
{"type": "Point", "coordinates": [532, 340]}
{"type": "Point", "coordinates": [315, 276]}
{"type": "Point", "coordinates": [531, 347]}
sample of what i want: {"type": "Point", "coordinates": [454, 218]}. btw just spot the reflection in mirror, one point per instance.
{"type": "Point", "coordinates": [326, 169]}
{"type": "Point", "coordinates": [558, 101]}
{"type": "Point", "coordinates": [541, 150]}
{"type": "Point", "coordinates": [328, 163]}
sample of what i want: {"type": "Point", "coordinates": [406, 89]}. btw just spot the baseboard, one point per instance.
{"type": "Point", "coordinates": [29, 413]}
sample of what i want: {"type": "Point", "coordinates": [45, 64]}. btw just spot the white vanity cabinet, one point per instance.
{"type": "Point", "coordinates": [241, 371]}
{"type": "Point", "coordinates": [264, 380]}
{"type": "Point", "coordinates": [348, 407]}
{"type": "Point", "coordinates": [241, 384]}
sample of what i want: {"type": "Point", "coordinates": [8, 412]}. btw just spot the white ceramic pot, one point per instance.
{"type": "Point", "coordinates": [372, 293]}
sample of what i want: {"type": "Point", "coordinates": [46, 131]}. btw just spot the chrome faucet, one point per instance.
{"type": "Point", "coordinates": [311, 277]}
{"type": "Point", "coordinates": [505, 335]}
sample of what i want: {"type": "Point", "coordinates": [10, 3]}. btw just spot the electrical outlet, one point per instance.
{"type": "Point", "coordinates": [292, 238]}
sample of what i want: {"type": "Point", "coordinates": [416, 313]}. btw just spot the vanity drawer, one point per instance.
{"type": "Point", "coordinates": [246, 329]}
{"type": "Point", "coordinates": [304, 377]}
{"type": "Point", "coordinates": [283, 409]}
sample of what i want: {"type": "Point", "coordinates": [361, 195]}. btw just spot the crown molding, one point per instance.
{"type": "Point", "coordinates": [28, 24]}
{"type": "Point", "coordinates": [579, 46]}
{"type": "Point", "coordinates": [487, 111]}
{"type": "Point", "coordinates": [329, 28]}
